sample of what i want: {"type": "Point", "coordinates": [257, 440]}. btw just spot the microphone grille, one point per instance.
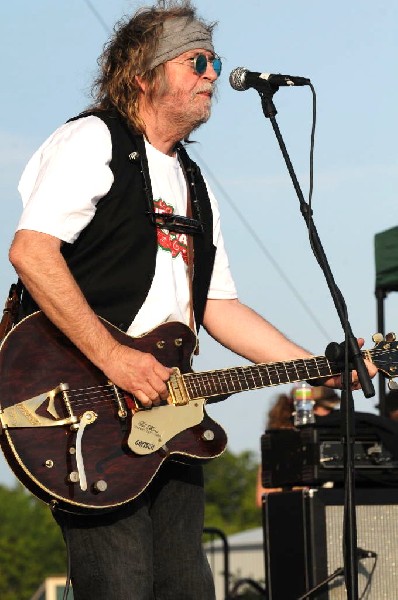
{"type": "Point", "coordinates": [237, 79]}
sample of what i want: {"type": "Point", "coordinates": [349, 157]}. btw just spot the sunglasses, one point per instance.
{"type": "Point", "coordinates": [200, 61]}
{"type": "Point", "coordinates": [176, 223]}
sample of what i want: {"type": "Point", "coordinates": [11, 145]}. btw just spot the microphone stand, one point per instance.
{"type": "Point", "coordinates": [348, 354]}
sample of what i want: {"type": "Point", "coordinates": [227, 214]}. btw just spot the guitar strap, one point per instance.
{"type": "Point", "coordinates": [11, 309]}
{"type": "Point", "coordinates": [190, 246]}
{"type": "Point", "coordinates": [190, 257]}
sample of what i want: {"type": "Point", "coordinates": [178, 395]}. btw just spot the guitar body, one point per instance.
{"type": "Point", "coordinates": [35, 358]}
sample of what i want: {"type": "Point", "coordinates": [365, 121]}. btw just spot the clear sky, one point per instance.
{"type": "Point", "coordinates": [349, 51]}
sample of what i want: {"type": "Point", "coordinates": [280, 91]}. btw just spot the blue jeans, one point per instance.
{"type": "Point", "coordinates": [149, 549]}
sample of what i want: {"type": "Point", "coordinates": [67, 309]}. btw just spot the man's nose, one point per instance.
{"type": "Point", "coordinates": [210, 72]}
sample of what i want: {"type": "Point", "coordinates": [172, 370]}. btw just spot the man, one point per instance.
{"type": "Point", "coordinates": [106, 230]}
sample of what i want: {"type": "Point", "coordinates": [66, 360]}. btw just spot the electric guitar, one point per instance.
{"type": "Point", "coordinates": [81, 444]}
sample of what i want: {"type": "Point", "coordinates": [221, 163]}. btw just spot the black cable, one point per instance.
{"type": "Point", "coordinates": [322, 584]}
{"type": "Point", "coordinates": [68, 563]}
{"type": "Point", "coordinates": [370, 576]}
{"type": "Point", "coordinates": [312, 146]}
{"type": "Point", "coordinates": [250, 583]}
{"type": "Point", "coordinates": [340, 572]}
{"type": "Point", "coordinates": [97, 16]}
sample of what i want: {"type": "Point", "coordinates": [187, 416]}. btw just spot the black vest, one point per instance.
{"type": "Point", "coordinates": [113, 260]}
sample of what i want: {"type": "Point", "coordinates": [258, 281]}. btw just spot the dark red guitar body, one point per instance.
{"type": "Point", "coordinates": [35, 358]}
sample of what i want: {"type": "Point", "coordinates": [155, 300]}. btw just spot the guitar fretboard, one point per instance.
{"type": "Point", "coordinates": [252, 377]}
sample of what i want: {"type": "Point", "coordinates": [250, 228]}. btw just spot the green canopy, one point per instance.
{"type": "Point", "coordinates": [386, 256]}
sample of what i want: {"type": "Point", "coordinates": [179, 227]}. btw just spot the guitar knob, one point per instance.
{"type": "Point", "coordinates": [208, 435]}
{"type": "Point", "coordinates": [100, 486]}
{"type": "Point", "coordinates": [73, 477]}
{"type": "Point", "coordinates": [377, 338]}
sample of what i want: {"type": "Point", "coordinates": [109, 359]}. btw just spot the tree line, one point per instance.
{"type": "Point", "coordinates": [31, 544]}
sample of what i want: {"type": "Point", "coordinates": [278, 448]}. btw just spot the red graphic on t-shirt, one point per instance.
{"type": "Point", "coordinates": [176, 243]}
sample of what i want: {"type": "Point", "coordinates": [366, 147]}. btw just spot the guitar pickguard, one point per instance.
{"type": "Point", "coordinates": [152, 429]}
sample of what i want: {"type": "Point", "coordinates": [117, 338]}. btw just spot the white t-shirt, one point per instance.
{"type": "Point", "coordinates": [70, 173]}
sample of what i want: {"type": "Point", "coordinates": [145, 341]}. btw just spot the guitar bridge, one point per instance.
{"type": "Point", "coordinates": [177, 390]}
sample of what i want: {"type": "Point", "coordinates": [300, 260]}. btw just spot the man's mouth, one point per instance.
{"type": "Point", "coordinates": [205, 92]}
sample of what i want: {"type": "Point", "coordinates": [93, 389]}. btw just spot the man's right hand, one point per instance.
{"type": "Point", "coordinates": [138, 373]}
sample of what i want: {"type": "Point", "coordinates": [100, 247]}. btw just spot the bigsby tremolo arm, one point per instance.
{"type": "Point", "coordinates": [24, 414]}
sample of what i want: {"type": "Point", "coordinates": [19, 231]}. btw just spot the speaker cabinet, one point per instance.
{"type": "Point", "coordinates": [303, 543]}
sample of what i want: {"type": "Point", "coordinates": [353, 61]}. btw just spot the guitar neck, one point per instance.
{"type": "Point", "coordinates": [253, 377]}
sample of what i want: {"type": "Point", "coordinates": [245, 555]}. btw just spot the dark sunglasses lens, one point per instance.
{"type": "Point", "coordinates": [217, 66]}
{"type": "Point", "coordinates": [200, 64]}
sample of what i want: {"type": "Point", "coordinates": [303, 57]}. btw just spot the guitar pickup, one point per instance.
{"type": "Point", "coordinates": [24, 414]}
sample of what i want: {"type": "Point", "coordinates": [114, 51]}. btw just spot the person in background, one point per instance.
{"type": "Point", "coordinates": [280, 416]}
{"type": "Point", "coordinates": [391, 405]}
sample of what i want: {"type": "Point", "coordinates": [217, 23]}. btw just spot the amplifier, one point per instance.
{"type": "Point", "coordinates": [314, 455]}
{"type": "Point", "coordinates": [303, 543]}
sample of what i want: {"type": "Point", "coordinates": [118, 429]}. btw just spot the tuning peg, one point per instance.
{"type": "Point", "coordinates": [392, 384]}
{"type": "Point", "coordinates": [390, 337]}
{"type": "Point", "coordinates": [377, 338]}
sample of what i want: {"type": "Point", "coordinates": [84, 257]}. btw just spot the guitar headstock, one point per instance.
{"type": "Point", "coordinates": [385, 355]}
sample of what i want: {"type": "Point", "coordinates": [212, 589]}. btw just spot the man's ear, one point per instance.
{"type": "Point", "coordinates": [141, 82]}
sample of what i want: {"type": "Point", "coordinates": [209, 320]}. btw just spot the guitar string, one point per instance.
{"type": "Point", "coordinates": [240, 378]}
{"type": "Point", "coordinates": [213, 382]}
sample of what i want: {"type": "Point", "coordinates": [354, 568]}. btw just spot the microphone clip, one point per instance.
{"type": "Point", "coordinates": [266, 93]}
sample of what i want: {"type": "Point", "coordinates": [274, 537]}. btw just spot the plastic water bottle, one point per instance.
{"type": "Point", "coordinates": [303, 405]}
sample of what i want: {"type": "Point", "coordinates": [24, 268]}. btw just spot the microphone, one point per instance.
{"type": "Point", "coordinates": [242, 79]}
